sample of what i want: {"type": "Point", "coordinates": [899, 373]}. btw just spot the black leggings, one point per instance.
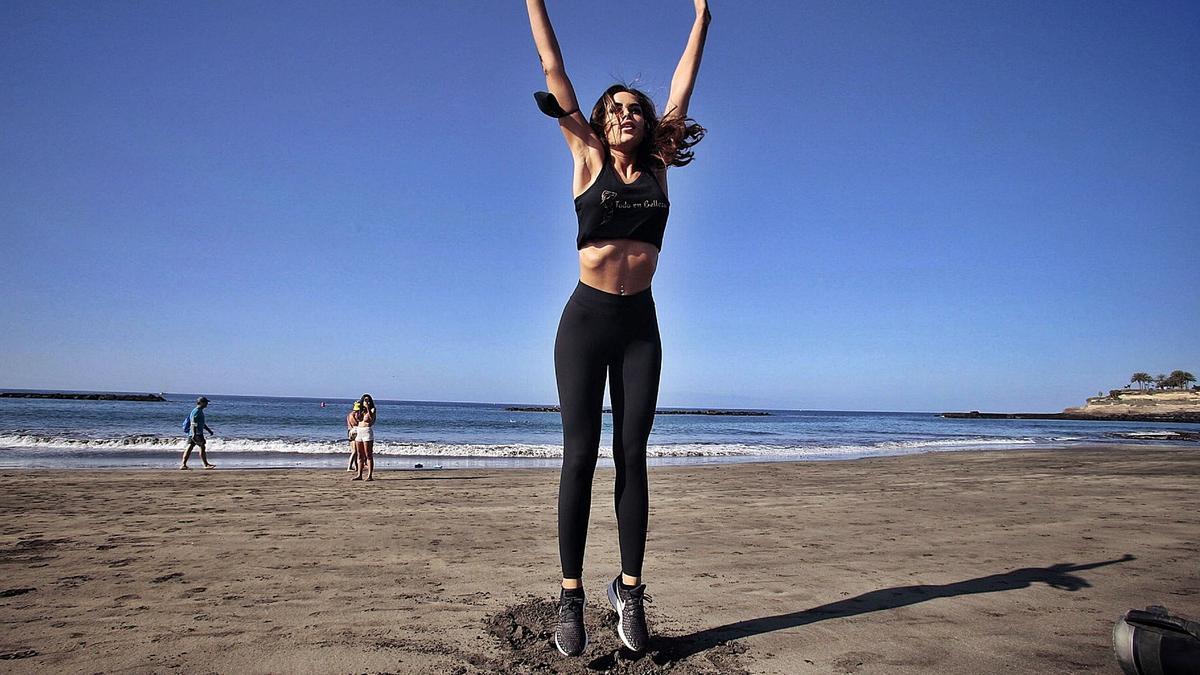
{"type": "Point", "coordinates": [615, 335]}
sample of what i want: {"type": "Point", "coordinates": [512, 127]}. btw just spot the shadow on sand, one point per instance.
{"type": "Point", "coordinates": [1056, 576]}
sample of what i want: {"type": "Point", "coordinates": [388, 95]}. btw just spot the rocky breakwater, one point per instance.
{"type": "Point", "coordinates": [608, 411]}
{"type": "Point", "coordinates": [71, 396]}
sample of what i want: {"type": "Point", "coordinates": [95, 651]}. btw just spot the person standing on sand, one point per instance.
{"type": "Point", "coordinates": [351, 432]}
{"type": "Point", "coordinates": [364, 439]}
{"type": "Point", "coordinates": [196, 435]}
{"type": "Point", "coordinates": [609, 328]}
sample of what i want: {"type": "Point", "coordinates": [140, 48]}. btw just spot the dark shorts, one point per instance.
{"type": "Point", "coordinates": [198, 439]}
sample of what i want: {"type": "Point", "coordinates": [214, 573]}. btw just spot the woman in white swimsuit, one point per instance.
{"type": "Point", "coordinates": [364, 439]}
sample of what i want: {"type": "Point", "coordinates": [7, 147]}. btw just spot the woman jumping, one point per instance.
{"type": "Point", "coordinates": [609, 329]}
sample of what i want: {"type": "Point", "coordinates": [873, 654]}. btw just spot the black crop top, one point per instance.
{"type": "Point", "coordinates": [610, 209]}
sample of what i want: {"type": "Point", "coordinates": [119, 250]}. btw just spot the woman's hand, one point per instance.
{"type": "Point", "coordinates": [684, 80]}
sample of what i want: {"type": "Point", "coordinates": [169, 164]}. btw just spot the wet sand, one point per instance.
{"type": "Point", "coordinates": [984, 562]}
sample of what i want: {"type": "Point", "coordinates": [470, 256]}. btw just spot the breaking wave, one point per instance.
{"type": "Point", "coordinates": [153, 443]}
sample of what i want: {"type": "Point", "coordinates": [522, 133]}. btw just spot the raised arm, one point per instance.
{"type": "Point", "coordinates": [574, 126]}
{"type": "Point", "coordinates": [684, 79]}
{"type": "Point", "coordinates": [550, 55]}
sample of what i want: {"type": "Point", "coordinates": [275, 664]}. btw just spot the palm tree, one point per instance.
{"type": "Point", "coordinates": [1141, 379]}
{"type": "Point", "coordinates": [1179, 379]}
{"type": "Point", "coordinates": [1160, 381]}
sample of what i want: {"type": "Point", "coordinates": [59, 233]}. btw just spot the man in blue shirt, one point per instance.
{"type": "Point", "coordinates": [196, 435]}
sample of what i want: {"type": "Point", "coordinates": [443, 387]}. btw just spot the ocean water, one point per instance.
{"type": "Point", "coordinates": [267, 432]}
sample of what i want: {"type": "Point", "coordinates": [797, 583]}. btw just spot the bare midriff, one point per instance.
{"type": "Point", "coordinates": [618, 266]}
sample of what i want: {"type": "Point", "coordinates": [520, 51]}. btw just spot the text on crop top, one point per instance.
{"type": "Point", "coordinates": [612, 209]}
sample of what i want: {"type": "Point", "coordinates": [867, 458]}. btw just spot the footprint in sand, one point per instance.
{"type": "Point", "coordinates": [852, 662]}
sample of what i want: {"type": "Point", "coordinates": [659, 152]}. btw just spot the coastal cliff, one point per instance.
{"type": "Point", "coordinates": [1136, 403]}
{"type": "Point", "coordinates": [1125, 405]}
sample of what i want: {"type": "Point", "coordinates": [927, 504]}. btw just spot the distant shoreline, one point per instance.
{"type": "Point", "coordinates": [60, 396]}
{"type": "Point", "coordinates": [729, 413]}
{"type": "Point", "coordinates": [1180, 417]}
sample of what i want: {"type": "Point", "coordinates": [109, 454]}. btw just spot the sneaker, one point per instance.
{"type": "Point", "coordinates": [571, 636]}
{"type": "Point", "coordinates": [631, 615]}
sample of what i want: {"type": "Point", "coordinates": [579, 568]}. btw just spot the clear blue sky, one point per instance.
{"type": "Point", "coordinates": [899, 206]}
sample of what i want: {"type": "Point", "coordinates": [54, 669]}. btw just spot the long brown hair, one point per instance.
{"type": "Point", "coordinates": [666, 142]}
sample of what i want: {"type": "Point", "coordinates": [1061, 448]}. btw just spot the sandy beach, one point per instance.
{"type": "Point", "coordinates": [983, 562]}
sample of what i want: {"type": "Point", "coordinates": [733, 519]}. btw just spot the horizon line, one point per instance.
{"type": "Point", "coordinates": [405, 400]}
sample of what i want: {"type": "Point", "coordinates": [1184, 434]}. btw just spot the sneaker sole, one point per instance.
{"type": "Point", "coordinates": [563, 651]}
{"type": "Point", "coordinates": [618, 606]}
